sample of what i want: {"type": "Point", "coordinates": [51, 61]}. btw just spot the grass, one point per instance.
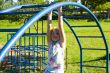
{"type": "Point", "coordinates": [73, 50]}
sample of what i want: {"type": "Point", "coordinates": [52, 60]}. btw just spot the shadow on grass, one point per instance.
{"type": "Point", "coordinates": [99, 58]}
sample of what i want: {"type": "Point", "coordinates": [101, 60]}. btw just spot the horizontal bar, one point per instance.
{"type": "Point", "coordinates": [93, 66]}
{"type": "Point", "coordinates": [77, 17]}
{"type": "Point", "coordinates": [35, 6]}
{"type": "Point", "coordinates": [32, 34]}
{"type": "Point", "coordinates": [89, 36]}
{"type": "Point", "coordinates": [71, 9]}
{"type": "Point", "coordinates": [85, 26]}
{"type": "Point", "coordinates": [25, 12]}
{"type": "Point", "coordinates": [9, 30]}
{"type": "Point", "coordinates": [14, 8]}
{"type": "Point", "coordinates": [30, 46]}
{"type": "Point", "coordinates": [92, 49]}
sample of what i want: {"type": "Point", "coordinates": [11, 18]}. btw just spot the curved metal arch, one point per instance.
{"type": "Point", "coordinates": [37, 16]}
{"type": "Point", "coordinates": [14, 8]}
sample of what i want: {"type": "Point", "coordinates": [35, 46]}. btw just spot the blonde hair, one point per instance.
{"type": "Point", "coordinates": [51, 31]}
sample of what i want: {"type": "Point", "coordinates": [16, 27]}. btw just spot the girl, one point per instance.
{"type": "Point", "coordinates": [57, 43]}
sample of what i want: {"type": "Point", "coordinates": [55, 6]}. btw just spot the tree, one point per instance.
{"type": "Point", "coordinates": [94, 3]}
{"type": "Point", "coordinates": [1, 3]}
{"type": "Point", "coordinates": [104, 7]}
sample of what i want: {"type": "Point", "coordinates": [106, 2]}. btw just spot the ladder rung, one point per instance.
{"type": "Point", "coordinates": [89, 36]}
{"type": "Point", "coordinates": [93, 49]}
{"type": "Point", "coordinates": [93, 66]}
{"type": "Point", "coordinates": [34, 34]}
{"type": "Point", "coordinates": [9, 30]}
{"type": "Point", "coordinates": [85, 26]}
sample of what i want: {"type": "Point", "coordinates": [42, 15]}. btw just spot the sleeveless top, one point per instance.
{"type": "Point", "coordinates": [55, 56]}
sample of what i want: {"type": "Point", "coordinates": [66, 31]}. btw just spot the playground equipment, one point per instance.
{"type": "Point", "coordinates": [38, 14]}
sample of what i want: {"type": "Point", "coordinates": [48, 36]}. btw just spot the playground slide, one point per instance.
{"type": "Point", "coordinates": [36, 17]}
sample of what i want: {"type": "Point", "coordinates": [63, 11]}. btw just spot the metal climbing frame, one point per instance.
{"type": "Point", "coordinates": [29, 54]}
{"type": "Point", "coordinates": [40, 14]}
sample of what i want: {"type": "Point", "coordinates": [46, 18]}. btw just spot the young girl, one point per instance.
{"type": "Point", "coordinates": [57, 43]}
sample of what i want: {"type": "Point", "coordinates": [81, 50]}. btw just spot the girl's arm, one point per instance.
{"type": "Point", "coordinates": [61, 29]}
{"type": "Point", "coordinates": [49, 27]}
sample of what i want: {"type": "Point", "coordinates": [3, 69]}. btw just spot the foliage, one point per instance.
{"type": "Point", "coordinates": [31, 1]}
{"type": "Point", "coordinates": [94, 3]}
{"type": "Point", "coordinates": [105, 6]}
{"type": "Point", "coordinates": [1, 2]}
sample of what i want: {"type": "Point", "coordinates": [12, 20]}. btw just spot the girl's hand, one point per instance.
{"type": "Point", "coordinates": [60, 10]}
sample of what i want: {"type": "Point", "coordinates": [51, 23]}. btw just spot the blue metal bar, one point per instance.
{"type": "Point", "coordinates": [34, 58]}
{"type": "Point", "coordinates": [35, 6]}
{"type": "Point", "coordinates": [89, 36]}
{"type": "Point", "coordinates": [10, 56]}
{"type": "Point", "coordinates": [24, 12]}
{"type": "Point", "coordinates": [85, 26]}
{"type": "Point", "coordinates": [37, 16]}
{"type": "Point", "coordinates": [24, 53]}
{"type": "Point", "coordinates": [9, 30]}
{"type": "Point", "coordinates": [77, 17]}
{"type": "Point", "coordinates": [93, 49]}
{"type": "Point", "coordinates": [42, 44]}
{"type": "Point", "coordinates": [32, 34]}
{"type": "Point", "coordinates": [20, 64]}
{"type": "Point", "coordinates": [14, 8]}
{"type": "Point", "coordinates": [37, 41]}
{"type": "Point", "coordinates": [29, 49]}
{"type": "Point", "coordinates": [94, 66]}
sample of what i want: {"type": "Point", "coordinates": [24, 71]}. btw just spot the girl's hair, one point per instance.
{"type": "Point", "coordinates": [51, 31]}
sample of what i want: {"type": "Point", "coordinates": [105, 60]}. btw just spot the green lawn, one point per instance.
{"type": "Point", "coordinates": [73, 50]}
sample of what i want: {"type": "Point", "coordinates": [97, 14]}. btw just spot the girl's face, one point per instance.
{"type": "Point", "coordinates": [55, 36]}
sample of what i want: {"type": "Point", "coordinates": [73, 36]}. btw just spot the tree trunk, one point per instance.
{"type": "Point", "coordinates": [108, 14]}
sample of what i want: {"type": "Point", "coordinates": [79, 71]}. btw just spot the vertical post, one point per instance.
{"type": "Point", "coordinates": [15, 70]}
{"type": "Point", "coordinates": [42, 46]}
{"type": "Point", "coordinates": [11, 58]}
{"type": "Point", "coordinates": [107, 60]}
{"type": "Point", "coordinates": [37, 43]}
{"type": "Point", "coordinates": [29, 51]}
{"type": "Point", "coordinates": [25, 53]}
{"type": "Point", "coordinates": [17, 57]}
{"type": "Point", "coordinates": [20, 54]}
{"type": "Point", "coordinates": [33, 43]}
{"type": "Point", "coordinates": [81, 61]}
